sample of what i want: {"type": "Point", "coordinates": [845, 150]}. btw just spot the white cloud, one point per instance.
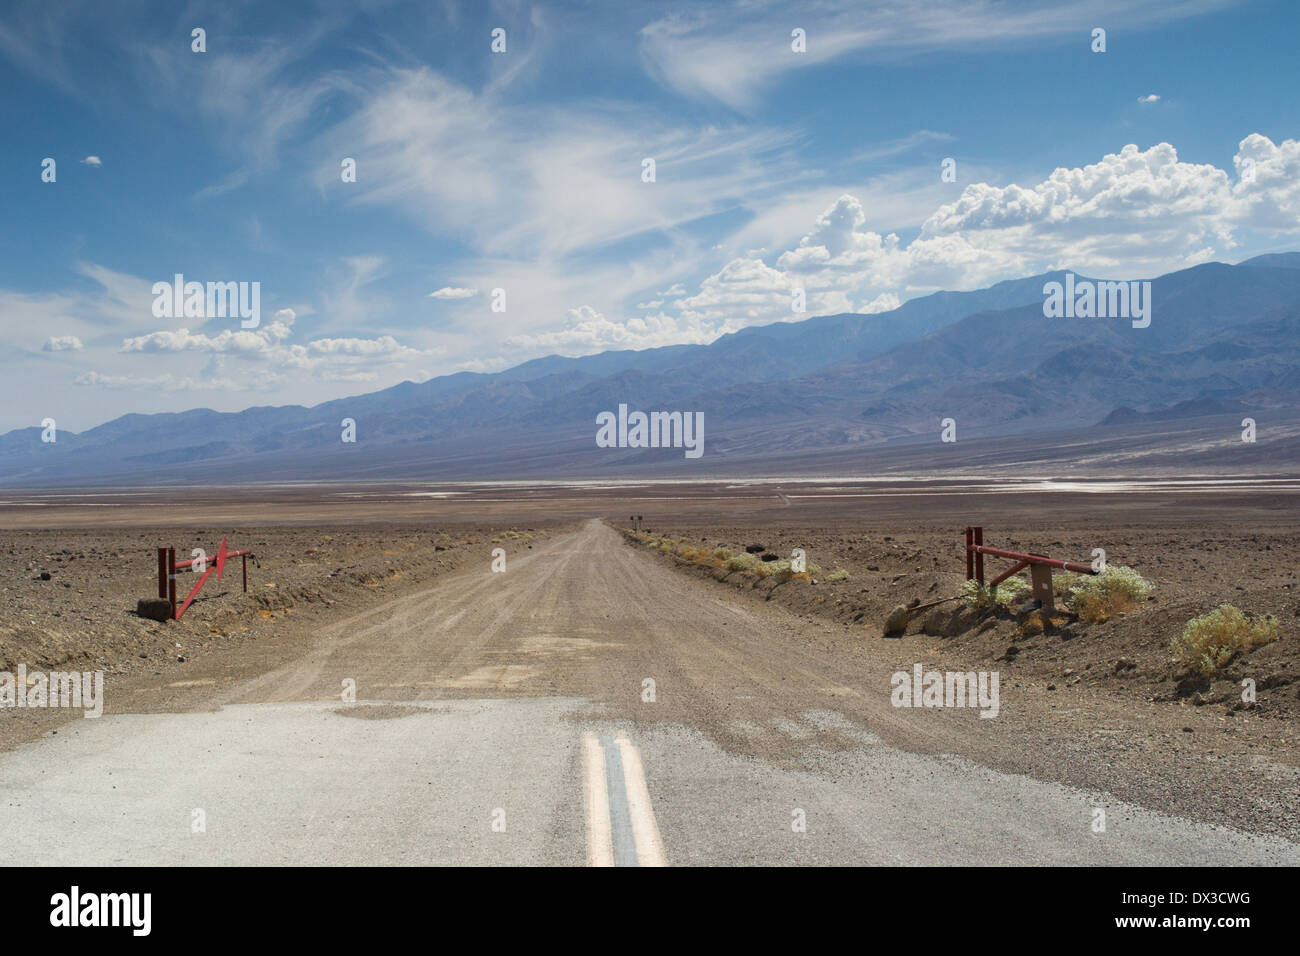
{"type": "Point", "coordinates": [1271, 202]}
{"type": "Point", "coordinates": [734, 52]}
{"type": "Point", "coordinates": [92, 161]}
{"type": "Point", "coordinates": [1134, 212]}
{"type": "Point", "coordinates": [62, 343]}
{"type": "Point", "coordinates": [451, 292]}
{"type": "Point", "coordinates": [165, 383]}
{"type": "Point", "coordinates": [535, 182]}
{"type": "Point", "coordinates": [1149, 98]}
{"type": "Point", "coordinates": [885, 302]}
{"type": "Point", "coordinates": [333, 358]}
{"type": "Point", "coordinates": [586, 331]}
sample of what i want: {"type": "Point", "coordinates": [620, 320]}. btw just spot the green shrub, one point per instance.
{"type": "Point", "coordinates": [1210, 641]}
{"type": "Point", "coordinates": [1115, 591]}
{"type": "Point", "coordinates": [979, 597]}
{"type": "Point", "coordinates": [1063, 581]}
{"type": "Point", "coordinates": [782, 569]}
{"type": "Point", "coordinates": [839, 574]}
{"type": "Point", "coordinates": [740, 562]}
{"type": "Point", "coordinates": [722, 554]}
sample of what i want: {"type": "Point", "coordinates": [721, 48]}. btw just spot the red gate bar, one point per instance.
{"type": "Point", "coordinates": [1035, 559]}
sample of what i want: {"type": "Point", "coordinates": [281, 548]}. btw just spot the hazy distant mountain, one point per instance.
{"type": "Point", "coordinates": [799, 395]}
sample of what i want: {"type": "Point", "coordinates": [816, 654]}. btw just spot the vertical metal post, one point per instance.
{"type": "Point", "coordinates": [970, 556]}
{"type": "Point", "coordinates": [162, 573]}
{"type": "Point", "coordinates": [171, 578]}
{"type": "Point", "coordinates": [244, 559]}
{"type": "Point", "coordinates": [979, 556]}
{"type": "Point", "coordinates": [1040, 577]}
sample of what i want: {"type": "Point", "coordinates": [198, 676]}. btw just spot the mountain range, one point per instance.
{"type": "Point", "coordinates": [836, 394]}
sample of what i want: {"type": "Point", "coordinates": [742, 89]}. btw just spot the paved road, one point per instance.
{"type": "Point", "coordinates": [588, 706]}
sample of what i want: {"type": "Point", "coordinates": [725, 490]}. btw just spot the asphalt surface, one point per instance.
{"type": "Point", "coordinates": [587, 706]}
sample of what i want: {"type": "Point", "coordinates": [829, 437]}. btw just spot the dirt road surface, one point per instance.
{"type": "Point", "coordinates": [588, 705]}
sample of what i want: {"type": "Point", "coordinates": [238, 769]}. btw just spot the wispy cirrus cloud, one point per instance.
{"type": "Point", "coordinates": [733, 52]}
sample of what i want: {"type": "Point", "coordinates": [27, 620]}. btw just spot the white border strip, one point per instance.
{"type": "Point", "coordinates": [649, 845]}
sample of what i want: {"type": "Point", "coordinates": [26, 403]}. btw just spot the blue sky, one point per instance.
{"type": "Point", "coordinates": [522, 170]}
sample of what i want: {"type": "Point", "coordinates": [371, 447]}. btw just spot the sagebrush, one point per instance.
{"type": "Point", "coordinates": [1210, 641]}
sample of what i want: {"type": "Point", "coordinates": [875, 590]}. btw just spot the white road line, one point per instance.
{"type": "Point", "coordinates": [600, 842]}
{"type": "Point", "coordinates": [649, 845]}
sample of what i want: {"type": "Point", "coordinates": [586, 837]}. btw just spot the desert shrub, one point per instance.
{"type": "Point", "coordinates": [781, 569]}
{"type": "Point", "coordinates": [740, 562]}
{"type": "Point", "coordinates": [1063, 581]}
{"type": "Point", "coordinates": [722, 554]}
{"type": "Point", "coordinates": [1210, 641]}
{"type": "Point", "coordinates": [975, 595]}
{"type": "Point", "coordinates": [839, 574]}
{"type": "Point", "coordinates": [1115, 591]}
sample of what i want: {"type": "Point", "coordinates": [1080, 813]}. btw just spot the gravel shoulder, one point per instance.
{"type": "Point", "coordinates": [1095, 706]}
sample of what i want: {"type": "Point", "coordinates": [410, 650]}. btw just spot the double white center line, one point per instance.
{"type": "Point", "coordinates": [621, 828]}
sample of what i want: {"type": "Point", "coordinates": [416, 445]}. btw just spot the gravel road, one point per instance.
{"type": "Point", "coordinates": [588, 705]}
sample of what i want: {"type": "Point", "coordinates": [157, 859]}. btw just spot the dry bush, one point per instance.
{"type": "Point", "coordinates": [1210, 641]}
{"type": "Point", "coordinates": [1117, 590]}
{"type": "Point", "coordinates": [976, 596]}
{"type": "Point", "coordinates": [740, 562]}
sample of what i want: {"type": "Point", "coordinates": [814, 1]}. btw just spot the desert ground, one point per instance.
{"type": "Point", "coordinates": [767, 695]}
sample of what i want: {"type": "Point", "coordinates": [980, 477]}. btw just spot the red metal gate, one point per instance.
{"type": "Point", "coordinates": [168, 566]}
{"type": "Point", "coordinates": [1040, 566]}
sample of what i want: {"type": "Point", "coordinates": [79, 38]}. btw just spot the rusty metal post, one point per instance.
{"type": "Point", "coordinates": [1040, 579]}
{"type": "Point", "coordinates": [970, 555]}
{"type": "Point", "coordinates": [979, 555]}
{"type": "Point", "coordinates": [162, 574]}
{"type": "Point", "coordinates": [171, 578]}
{"type": "Point", "coordinates": [244, 559]}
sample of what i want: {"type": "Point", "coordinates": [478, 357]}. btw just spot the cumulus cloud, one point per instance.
{"type": "Point", "coordinates": [92, 161]}
{"type": "Point", "coordinates": [1149, 98]}
{"type": "Point", "coordinates": [885, 302]}
{"type": "Point", "coordinates": [1267, 191]}
{"type": "Point", "coordinates": [1134, 212]}
{"type": "Point", "coordinates": [587, 330]}
{"type": "Point", "coordinates": [331, 358]}
{"type": "Point", "coordinates": [62, 343]}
